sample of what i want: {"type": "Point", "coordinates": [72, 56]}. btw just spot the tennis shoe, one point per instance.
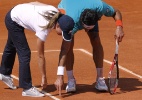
{"type": "Point", "coordinates": [71, 86]}
{"type": "Point", "coordinates": [101, 85]}
{"type": "Point", "coordinates": [8, 80]}
{"type": "Point", "coordinates": [32, 92]}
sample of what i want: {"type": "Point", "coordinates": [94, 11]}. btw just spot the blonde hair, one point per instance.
{"type": "Point", "coordinates": [52, 17]}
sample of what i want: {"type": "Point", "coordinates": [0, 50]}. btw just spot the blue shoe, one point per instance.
{"type": "Point", "coordinates": [101, 85]}
{"type": "Point", "coordinates": [71, 86]}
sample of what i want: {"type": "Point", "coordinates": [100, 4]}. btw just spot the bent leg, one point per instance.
{"type": "Point", "coordinates": [70, 57]}
{"type": "Point", "coordinates": [98, 56]}
{"type": "Point", "coordinates": [71, 85]}
{"type": "Point", "coordinates": [24, 56]}
{"type": "Point", "coordinates": [19, 41]}
{"type": "Point", "coordinates": [8, 58]}
{"type": "Point", "coordinates": [70, 61]}
{"type": "Point", "coordinates": [98, 53]}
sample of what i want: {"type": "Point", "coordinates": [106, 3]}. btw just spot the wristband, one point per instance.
{"type": "Point", "coordinates": [60, 70]}
{"type": "Point", "coordinates": [119, 23]}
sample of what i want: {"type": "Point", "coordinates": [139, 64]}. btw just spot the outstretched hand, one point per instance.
{"type": "Point", "coordinates": [59, 84]}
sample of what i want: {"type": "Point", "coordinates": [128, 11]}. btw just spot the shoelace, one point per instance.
{"type": "Point", "coordinates": [34, 90]}
{"type": "Point", "coordinates": [10, 81]}
{"type": "Point", "coordinates": [71, 83]}
{"type": "Point", "coordinates": [101, 81]}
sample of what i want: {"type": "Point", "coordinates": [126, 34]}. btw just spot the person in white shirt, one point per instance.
{"type": "Point", "coordinates": [41, 19]}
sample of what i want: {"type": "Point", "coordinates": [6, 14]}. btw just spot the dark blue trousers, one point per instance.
{"type": "Point", "coordinates": [16, 43]}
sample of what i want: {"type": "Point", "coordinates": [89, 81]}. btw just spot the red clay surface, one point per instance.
{"type": "Point", "coordinates": [130, 56]}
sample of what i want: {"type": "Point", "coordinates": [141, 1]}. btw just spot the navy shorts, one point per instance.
{"type": "Point", "coordinates": [95, 29]}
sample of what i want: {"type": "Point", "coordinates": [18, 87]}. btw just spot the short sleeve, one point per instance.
{"type": "Point", "coordinates": [42, 34]}
{"type": "Point", "coordinates": [108, 10]}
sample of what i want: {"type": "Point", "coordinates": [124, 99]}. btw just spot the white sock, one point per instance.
{"type": "Point", "coordinates": [70, 74]}
{"type": "Point", "coordinates": [99, 73]}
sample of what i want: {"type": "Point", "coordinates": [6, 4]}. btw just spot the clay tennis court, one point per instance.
{"type": "Point", "coordinates": [130, 56]}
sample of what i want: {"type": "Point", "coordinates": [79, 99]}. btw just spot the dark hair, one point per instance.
{"type": "Point", "coordinates": [89, 17]}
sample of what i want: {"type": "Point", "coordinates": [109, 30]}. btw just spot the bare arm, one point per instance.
{"type": "Point", "coordinates": [117, 15]}
{"type": "Point", "coordinates": [42, 62]}
{"type": "Point", "coordinates": [62, 60]}
{"type": "Point", "coordinates": [119, 34]}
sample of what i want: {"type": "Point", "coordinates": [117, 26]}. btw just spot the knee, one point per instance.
{"type": "Point", "coordinates": [25, 56]}
{"type": "Point", "coordinates": [95, 41]}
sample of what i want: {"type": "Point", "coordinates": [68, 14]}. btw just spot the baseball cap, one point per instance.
{"type": "Point", "coordinates": [66, 24]}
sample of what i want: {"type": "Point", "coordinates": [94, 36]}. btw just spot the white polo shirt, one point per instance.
{"type": "Point", "coordinates": [28, 16]}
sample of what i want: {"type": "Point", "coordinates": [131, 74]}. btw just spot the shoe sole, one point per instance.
{"type": "Point", "coordinates": [71, 90]}
{"type": "Point", "coordinates": [101, 90]}
{"type": "Point", "coordinates": [23, 94]}
{"type": "Point", "coordinates": [14, 88]}
{"type": "Point", "coordinates": [7, 84]}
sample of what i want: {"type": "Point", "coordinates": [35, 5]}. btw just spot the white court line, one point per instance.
{"type": "Point", "coordinates": [86, 52]}
{"type": "Point", "coordinates": [109, 62]}
{"type": "Point", "coordinates": [48, 94]}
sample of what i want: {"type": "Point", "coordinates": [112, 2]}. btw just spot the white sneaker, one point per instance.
{"type": "Point", "coordinates": [101, 85]}
{"type": "Point", "coordinates": [71, 86]}
{"type": "Point", "coordinates": [8, 81]}
{"type": "Point", "coordinates": [32, 92]}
